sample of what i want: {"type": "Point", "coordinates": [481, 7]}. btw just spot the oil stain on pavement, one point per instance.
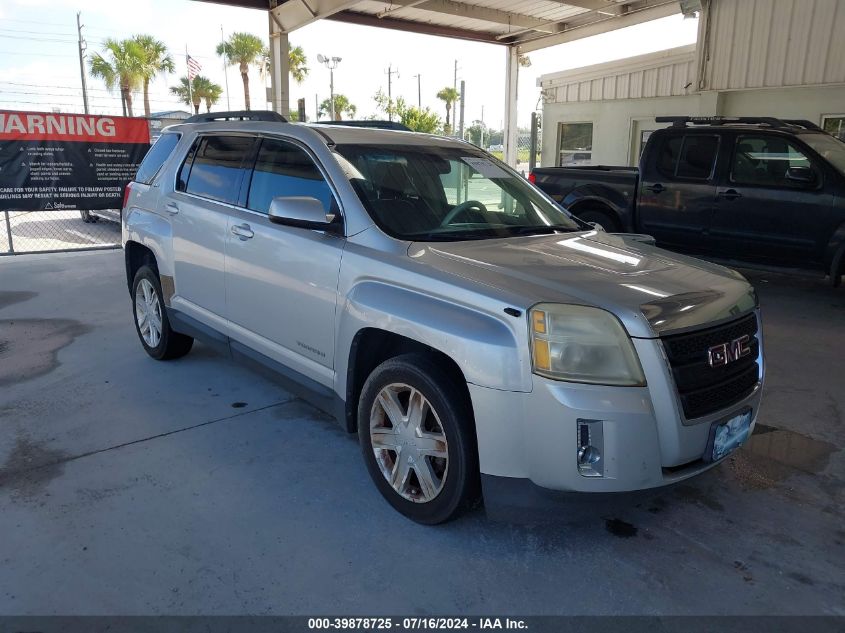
{"type": "Point", "coordinates": [10, 297]}
{"type": "Point", "coordinates": [30, 467]}
{"type": "Point", "coordinates": [34, 345]}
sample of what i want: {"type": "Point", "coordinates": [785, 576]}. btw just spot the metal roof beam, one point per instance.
{"type": "Point", "coordinates": [294, 14]}
{"type": "Point", "coordinates": [474, 12]}
{"type": "Point", "coordinates": [575, 29]}
{"type": "Point", "coordinates": [425, 28]}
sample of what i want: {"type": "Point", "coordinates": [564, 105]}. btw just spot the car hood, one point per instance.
{"type": "Point", "coordinates": [652, 291]}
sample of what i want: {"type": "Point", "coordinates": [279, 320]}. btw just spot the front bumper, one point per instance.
{"type": "Point", "coordinates": [647, 443]}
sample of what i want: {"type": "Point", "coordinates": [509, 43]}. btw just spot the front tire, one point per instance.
{"type": "Point", "coordinates": [603, 219]}
{"type": "Point", "coordinates": [151, 322]}
{"type": "Point", "coordinates": [417, 438]}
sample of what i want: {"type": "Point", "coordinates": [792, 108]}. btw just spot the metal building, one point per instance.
{"type": "Point", "coordinates": [782, 58]}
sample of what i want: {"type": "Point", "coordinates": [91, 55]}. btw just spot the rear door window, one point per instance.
{"type": "Point", "coordinates": [156, 157]}
{"type": "Point", "coordinates": [690, 157]}
{"type": "Point", "coordinates": [284, 169]}
{"type": "Point", "coordinates": [218, 167]}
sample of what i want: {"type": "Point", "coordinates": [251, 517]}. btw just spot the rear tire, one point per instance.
{"type": "Point", "coordinates": [431, 458]}
{"type": "Point", "coordinates": [602, 218]}
{"type": "Point", "coordinates": [151, 322]}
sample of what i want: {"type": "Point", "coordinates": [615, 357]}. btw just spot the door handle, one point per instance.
{"type": "Point", "coordinates": [172, 208]}
{"type": "Point", "coordinates": [657, 188]}
{"type": "Point", "coordinates": [242, 231]}
{"type": "Point", "coordinates": [730, 194]}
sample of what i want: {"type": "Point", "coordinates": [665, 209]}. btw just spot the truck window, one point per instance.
{"type": "Point", "coordinates": [156, 157]}
{"type": "Point", "coordinates": [283, 169]}
{"type": "Point", "coordinates": [217, 167]}
{"type": "Point", "coordinates": [689, 157]}
{"type": "Point", "coordinates": [763, 160]}
{"type": "Point", "coordinates": [576, 144]}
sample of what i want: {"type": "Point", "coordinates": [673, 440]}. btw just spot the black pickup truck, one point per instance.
{"type": "Point", "coordinates": [748, 189]}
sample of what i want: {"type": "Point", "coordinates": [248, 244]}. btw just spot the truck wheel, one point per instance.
{"type": "Point", "coordinates": [88, 217]}
{"type": "Point", "coordinates": [417, 437]}
{"type": "Point", "coordinates": [151, 323]}
{"type": "Point", "coordinates": [604, 219]}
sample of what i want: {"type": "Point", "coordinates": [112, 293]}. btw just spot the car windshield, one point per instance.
{"type": "Point", "coordinates": [442, 193]}
{"type": "Point", "coordinates": [829, 148]}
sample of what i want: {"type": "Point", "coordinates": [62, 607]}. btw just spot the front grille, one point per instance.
{"type": "Point", "coordinates": [704, 389]}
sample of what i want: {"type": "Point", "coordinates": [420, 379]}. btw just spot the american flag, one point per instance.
{"type": "Point", "coordinates": [194, 68]}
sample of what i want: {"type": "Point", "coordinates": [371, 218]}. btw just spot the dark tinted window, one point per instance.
{"type": "Point", "coordinates": [690, 157]}
{"type": "Point", "coordinates": [156, 157]}
{"type": "Point", "coordinates": [667, 161]}
{"type": "Point", "coordinates": [218, 167]}
{"type": "Point", "coordinates": [697, 157]}
{"type": "Point", "coordinates": [763, 160]}
{"type": "Point", "coordinates": [283, 169]}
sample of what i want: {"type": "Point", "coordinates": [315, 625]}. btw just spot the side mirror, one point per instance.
{"type": "Point", "coordinates": [804, 175]}
{"type": "Point", "coordinates": [303, 212]}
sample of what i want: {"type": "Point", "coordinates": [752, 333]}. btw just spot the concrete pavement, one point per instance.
{"type": "Point", "coordinates": [200, 486]}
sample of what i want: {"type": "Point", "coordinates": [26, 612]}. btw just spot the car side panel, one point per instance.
{"type": "Point", "coordinates": [490, 350]}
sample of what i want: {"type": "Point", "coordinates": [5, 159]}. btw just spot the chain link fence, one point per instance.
{"type": "Point", "coordinates": [52, 231]}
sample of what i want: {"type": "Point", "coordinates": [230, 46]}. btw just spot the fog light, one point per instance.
{"type": "Point", "coordinates": [590, 447]}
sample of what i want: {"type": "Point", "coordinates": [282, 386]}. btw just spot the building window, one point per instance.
{"type": "Point", "coordinates": [575, 144]}
{"type": "Point", "coordinates": [834, 124]}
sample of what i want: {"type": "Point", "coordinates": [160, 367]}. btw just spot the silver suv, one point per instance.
{"type": "Point", "coordinates": [477, 337]}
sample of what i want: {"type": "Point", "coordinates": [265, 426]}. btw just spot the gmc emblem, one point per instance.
{"type": "Point", "coordinates": [725, 353]}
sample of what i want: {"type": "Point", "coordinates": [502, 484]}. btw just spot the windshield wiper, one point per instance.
{"type": "Point", "coordinates": [542, 229]}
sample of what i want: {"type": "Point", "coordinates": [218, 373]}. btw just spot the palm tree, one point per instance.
{"type": "Point", "coordinates": [208, 91]}
{"type": "Point", "coordinates": [449, 96]}
{"type": "Point", "coordinates": [188, 95]}
{"type": "Point", "coordinates": [123, 68]}
{"type": "Point", "coordinates": [342, 106]}
{"type": "Point", "coordinates": [155, 60]}
{"type": "Point", "coordinates": [242, 50]}
{"type": "Point", "coordinates": [296, 58]}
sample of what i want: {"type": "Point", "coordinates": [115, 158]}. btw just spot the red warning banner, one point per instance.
{"type": "Point", "coordinates": [68, 161]}
{"type": "Point", "coordinates": [42, 126]}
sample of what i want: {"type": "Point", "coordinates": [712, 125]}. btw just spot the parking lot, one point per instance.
{"type": "Point", "coordinates": [134, 487]}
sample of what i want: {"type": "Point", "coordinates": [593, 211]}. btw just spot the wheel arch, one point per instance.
{"type": "Point", "coordinates": [371, 347]}
{"type": "Point", "coordinates": [380, 320]}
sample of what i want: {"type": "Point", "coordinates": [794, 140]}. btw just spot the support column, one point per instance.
{"type": "Point", "coordinates": [511, 84]}
{"type": "Point", "coordinates": [279, 68]}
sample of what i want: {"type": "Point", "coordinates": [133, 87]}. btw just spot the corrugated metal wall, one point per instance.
{"type": "Point", "coordinates": [670, 76]}
{"type": "Point", "coordinates": [775, 43]}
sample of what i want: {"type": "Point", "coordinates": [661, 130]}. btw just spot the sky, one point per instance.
{"type": "Point", "coordinates": [39, 64]}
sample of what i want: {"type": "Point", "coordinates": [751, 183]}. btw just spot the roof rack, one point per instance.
{"type": "Point", "coordinates": [778, 124]}
{"type": "Point", "coordinates": [372, 123]}
{"type": "Point", "coordinates": [237, 115]}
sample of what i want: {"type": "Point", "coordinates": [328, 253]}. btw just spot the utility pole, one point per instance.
{"type": "Point", "coordinates": [482, 127]}
{"type": "Point", "coordinates": [419, 92]}
{"type": "Point", "coordinates": [82, 48]}
{"type": "Point", "coordinates": [455, 82]}
{"type": "Point", "coordinates": [225, 70]}
{"type": "Point", "coordinates": [316, 107]}
{"type": "Point", "coordinates": [390, 73]}
{"type": "Point", "coordinates": [463, 94]}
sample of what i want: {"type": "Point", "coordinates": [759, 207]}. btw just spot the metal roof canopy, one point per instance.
{"type": "Point", "coordinates": [522, 26]}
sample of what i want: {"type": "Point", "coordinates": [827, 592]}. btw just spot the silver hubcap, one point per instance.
{"type": "Point", "coordinates": [148, 313]}
{"type": "Point", "coordinates": [409, 443]}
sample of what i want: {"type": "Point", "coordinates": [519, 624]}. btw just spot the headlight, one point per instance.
{"type": "Point", "coordinates": [582, 344]}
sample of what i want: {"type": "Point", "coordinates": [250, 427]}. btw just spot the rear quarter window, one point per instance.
{"type": "Point", "coordinates": [156, 157]}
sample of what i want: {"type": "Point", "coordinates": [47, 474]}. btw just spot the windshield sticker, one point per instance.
{"type": "Point", "coordinates": [485, 167]}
